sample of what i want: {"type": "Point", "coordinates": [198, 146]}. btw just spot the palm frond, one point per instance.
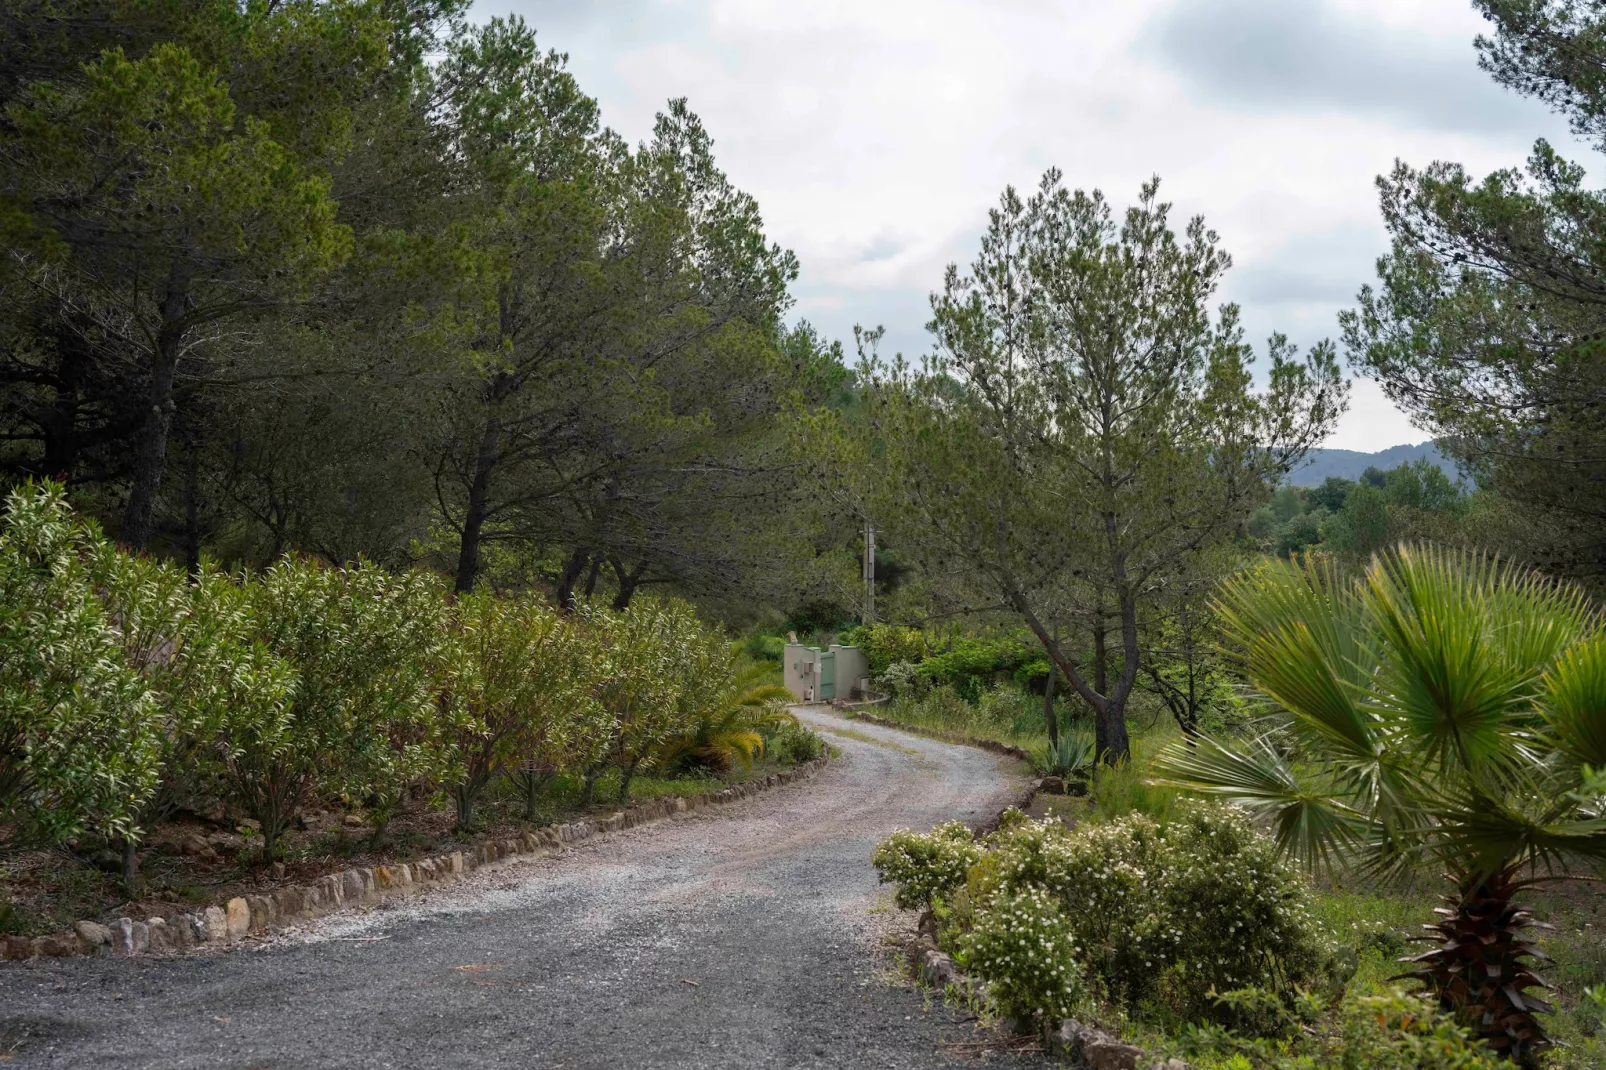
{"type": "Point", "coordinates": [1573, 701]}
{"type": "Point", "coordinates": [1312, 822]}
{"type": "Point", "coordinates": [1442, 678]}
{"type": "Point", "coordinates": [1301, 637]}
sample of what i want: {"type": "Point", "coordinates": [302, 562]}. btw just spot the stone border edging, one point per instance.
{"type": "Point", "coordinates": [945, 736]}
{"type": "Point", "coordinates": [242, 916]}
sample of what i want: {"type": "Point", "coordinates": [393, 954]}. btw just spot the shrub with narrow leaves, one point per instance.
{"type": "Point", "coordinates": [926, 866]}
{"type": "Point", "coordinates": [79, 745]}
{"type": "Point", "coordinates": [516, 694]}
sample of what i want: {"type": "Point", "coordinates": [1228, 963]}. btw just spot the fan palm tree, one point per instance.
{"type": "Point", "coordinates": [1442, 709]}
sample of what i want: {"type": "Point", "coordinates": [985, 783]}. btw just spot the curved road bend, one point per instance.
{"type": "Point", "coordinates": [737, 937]}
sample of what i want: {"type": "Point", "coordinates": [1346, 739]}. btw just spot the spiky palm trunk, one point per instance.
{"type": "Point", "coordinates": [1480, 971]}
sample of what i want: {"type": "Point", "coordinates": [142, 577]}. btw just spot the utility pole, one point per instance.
{"type": "Point", "coordinates": [869, 573]}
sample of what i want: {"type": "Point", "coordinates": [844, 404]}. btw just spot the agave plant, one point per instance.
{"type": "Point", "coordinates": [1066, 756]}
{"type": "Point", "coordinates": [1442, 709]}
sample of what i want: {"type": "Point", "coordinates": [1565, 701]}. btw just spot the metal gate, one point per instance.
{"type": "Point", "coordinates": [827, 676]}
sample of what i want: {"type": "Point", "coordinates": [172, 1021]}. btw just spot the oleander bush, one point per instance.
{"type": "Point", "coordinates": [789, 743]}
{"type": "Point", "coordinates": [129, 690]}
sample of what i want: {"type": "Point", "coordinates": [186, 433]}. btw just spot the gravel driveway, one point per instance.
{"type": "Point", "coordinates": [742, 936]}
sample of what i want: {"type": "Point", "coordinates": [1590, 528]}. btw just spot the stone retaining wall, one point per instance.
{"type": "Point", "coordinates": [244, 916]}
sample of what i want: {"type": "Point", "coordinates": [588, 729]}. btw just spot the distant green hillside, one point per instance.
{"type": "Point", "coordinates": [1349, 464]}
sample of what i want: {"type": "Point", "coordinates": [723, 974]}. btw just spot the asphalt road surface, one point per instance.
{"type": "Point", "coordinates": [740, 936]}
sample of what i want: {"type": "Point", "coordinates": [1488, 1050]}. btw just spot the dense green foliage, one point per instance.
{"type": "Point", "coordinates": [1485, 323]}
{"type": "Point", "coordinates": [1362, 516]}
{"type": "Point", "coordinates": [1150, 913]}
{"type": "Point", "coordinates": [373, 281]}
{"type": "Point", "coordinates": [129, 690]}
{"type": "Point", "coordinates": [1442, 710]}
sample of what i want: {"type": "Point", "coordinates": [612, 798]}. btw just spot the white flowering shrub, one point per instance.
{"type": "Point", "coordinates": [926, 866]}
{"type": "Point", "coordinates": [1163, 913]}
{"type": "Point", "coordinates": [1229, 913]}
{"type": "Point", "coordinates": [1025, 949]}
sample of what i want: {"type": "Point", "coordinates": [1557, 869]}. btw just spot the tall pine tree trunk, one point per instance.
{"type": "Point", "coordinates": [474, 514]}
{"type": "Point", "coordinates": [150, 442]}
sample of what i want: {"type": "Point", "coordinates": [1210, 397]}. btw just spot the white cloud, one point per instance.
{"type": "Point", "coordinates": [876, 133]}
{"type": "Point", "coordinates": [1372, 422]}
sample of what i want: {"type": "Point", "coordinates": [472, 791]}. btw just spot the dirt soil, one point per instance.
{"type": "Point", "coordinates": [193, 862]}
{"type": "Point", "coordinates": [752, 935]}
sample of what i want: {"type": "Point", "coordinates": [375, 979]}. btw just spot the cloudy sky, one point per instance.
{"type": "Point", "coordinates": [876, 133]}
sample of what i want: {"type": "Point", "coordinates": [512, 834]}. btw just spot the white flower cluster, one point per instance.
{"type": "Point", "coordinates": [926, 866]}
{"type": "Point", "coordinates": [1154, 912]}
{"type": "Point", "coordinates": [1025, 950]}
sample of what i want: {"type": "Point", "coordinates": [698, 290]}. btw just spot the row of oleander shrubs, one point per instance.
{"type": "Point", "coordinates": [130, 689]}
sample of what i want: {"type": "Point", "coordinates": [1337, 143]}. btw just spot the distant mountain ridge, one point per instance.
{"type": "Point", "coordinates": [1349, 464]}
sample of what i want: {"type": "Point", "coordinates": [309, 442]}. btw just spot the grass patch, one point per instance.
{"type": "Point", "coordinates": [865, 737]}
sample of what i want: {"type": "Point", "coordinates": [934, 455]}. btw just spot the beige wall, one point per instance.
{"type": "Point", "coordinates": [800, 670]}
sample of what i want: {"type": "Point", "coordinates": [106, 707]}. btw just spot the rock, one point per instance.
{"type": "Point", "coordinates": [1092, 1048]}
{"type": "Point", "coordinates": [196, 847]}
{"type": "Point", "coordinates": [182, 930]}
{"type": "Point", "coordinates": [937, 969]}
{"type": "Point", "coordinates": [16, 947]}
{"type": "Point", "coordinates": [159, 935]}
{"type": "Point", "coordinates": [93, 937]}
{"type": "Point", "coordinates": [140, 937]}
{"type": "Point", "coordinates": [351, 887]}
{"type": "Point", "coordinates": [214, 925]}
{"type": "Point", "coordinates": [57, 945]}
{"type": "Point", "coordinates": [354, 821]}
{"type": "Point", "coordinates": [122, 937]}
{"type": "Point", "coordinates": [1052, 785]}
{"type": "Point", "coordinates": [262, 913]}
{"type": "Point", "coordinates": [197, 923]}
{"type": "Point", "coordinates": [680, 806]}
{"type": "Point", "coordinates": [290, 902]}
{"type": "Point", "coordinates": [278, 870]}
{"type": "Point", "coordinates": [455, 861]}
{"type": "Point", "coordinates": [239, 918]}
